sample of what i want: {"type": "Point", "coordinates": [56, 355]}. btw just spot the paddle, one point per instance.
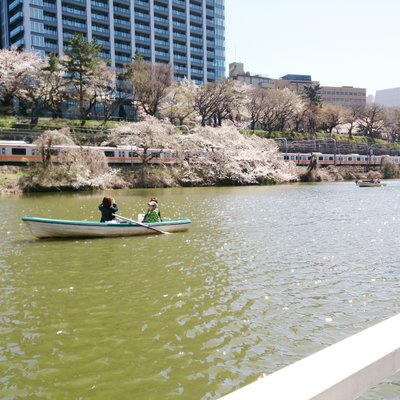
{"type": "Point", "coordinates": [139, 223]}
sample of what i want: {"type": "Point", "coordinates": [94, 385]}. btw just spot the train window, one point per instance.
{"type": "Point", "coordinates": [108, 153]}
{"type": "Point", "coordinates": [358, 159]}
{"type": "Point", "coordinates": [157, 155]}
{"type": "Point", "coordinates": [320, 158]}
{"type": "Point", "coordinates": [134, 154]}
{"type": "Point", "coordinates": [330, 158]}
{"type": "Point", "coordinates": [3, 151]}
{"type": "Point", "coordinates": [121, 154]}
{"type": "Point", "coordinates": [18, 151]}
{"type": "Point", "coordinates": [309, 158]}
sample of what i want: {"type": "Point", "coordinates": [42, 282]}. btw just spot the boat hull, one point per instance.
{"type": "Point", "coordinates": [370, 184]}
{"type": "Point", "coordinates": [56, 228]}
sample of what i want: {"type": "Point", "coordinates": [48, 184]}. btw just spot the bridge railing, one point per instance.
{"type": "Point", "coordinates": [342, 371]}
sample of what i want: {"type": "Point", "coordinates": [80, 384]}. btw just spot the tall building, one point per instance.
{"type": "Point", "coordinates": [189, 34]}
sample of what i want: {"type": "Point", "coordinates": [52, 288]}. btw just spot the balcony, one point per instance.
{"type": "Point", "coordinates": [14, 4]}
{"type": "Point", "coordinates": [124, 22]}
{"type": "Point", "coordinates": [122, 34]}
{"type": "Point", "coordinates": [100, 17]}
{"type": "Point", "coordinates": [99, 4]}
{"type": "Point", "coordinates": [51, 6]}
{"type": "Point", "coordinates": [74, 11]}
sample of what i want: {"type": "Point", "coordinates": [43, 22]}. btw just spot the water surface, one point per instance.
{"type": "Point", "coordinates": [264, 277]}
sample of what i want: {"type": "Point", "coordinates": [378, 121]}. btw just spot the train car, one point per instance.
{"type": "Point", "coordinates": [21, 152]}
{"type": "Point", "coordinates": [303, 159]}
{"type": "Point", "coordinates": [18, 151]}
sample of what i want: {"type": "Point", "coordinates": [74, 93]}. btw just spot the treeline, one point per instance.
{"type": "Point", "coordinates": [82, 85]}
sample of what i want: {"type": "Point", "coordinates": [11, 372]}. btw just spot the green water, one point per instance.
{"type": "Point", "coordinates": [264, 277]}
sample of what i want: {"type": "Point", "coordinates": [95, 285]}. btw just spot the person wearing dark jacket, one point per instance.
{"type": "Point", "coordinates": [107, 208]}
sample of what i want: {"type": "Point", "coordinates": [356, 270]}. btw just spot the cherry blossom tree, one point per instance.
{"type": "Point", "coordinates": [15, 69]}
{"type": "Point", "coordinates": [256, 98]}
{"type": "Point", "coordinates": [44, 89]}
{"type": "Point", "coordinates": [371, 120]}
{"type": "Point", "coordinates": [179, 104]}
{"type": "Point", "coordinates": [206, 101]}
{"type": "Point", "coordinates": [150, 84]}
{"type": "Point", "coordinates": [330, 117]}
{"type": "Point", "coordinates": [210, 155]}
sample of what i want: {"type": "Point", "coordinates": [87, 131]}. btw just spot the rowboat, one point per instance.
{"type": "Point", "coordinates": [370, 184]}
{"type": "Point", "coordinates": [59, 228]}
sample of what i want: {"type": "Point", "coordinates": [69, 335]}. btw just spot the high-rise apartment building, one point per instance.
{"type": "Point", "coordinates": [189, 34]}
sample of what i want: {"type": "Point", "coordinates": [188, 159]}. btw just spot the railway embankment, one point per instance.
{"type": "Point", "coordinates": [20, 179]}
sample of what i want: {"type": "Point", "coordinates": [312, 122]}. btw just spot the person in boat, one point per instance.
{"type": "Point", "coordinates": [153, 213]}
{"type": "Point", "coordinates": [107, 208]}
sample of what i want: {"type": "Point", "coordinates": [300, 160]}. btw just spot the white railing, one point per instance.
{"type": "Point", "coordinates": [343, 371]}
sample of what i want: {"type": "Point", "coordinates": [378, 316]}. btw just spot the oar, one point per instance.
{"type": "Point", "coordinates": [139, 223]}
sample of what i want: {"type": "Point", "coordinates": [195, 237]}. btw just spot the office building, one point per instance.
{"type": "Point", "coordinates": [189, 34]}
{"type": "Point", "coordinates": [388, 97]}
{"type": "Point", "coordinates": [343, 96]}
{"type": "Point", "coordinates": [237, 72]}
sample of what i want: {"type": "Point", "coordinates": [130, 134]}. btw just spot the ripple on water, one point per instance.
{"type": "Point", "coordinates": [264, 277]}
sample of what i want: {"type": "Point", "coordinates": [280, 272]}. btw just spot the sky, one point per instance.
{"type": "Point", "coordinates": [337, 42]}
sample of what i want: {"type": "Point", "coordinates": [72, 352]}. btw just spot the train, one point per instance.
{"type": "Point", "coordinates": [20, 152]}
{"type": "Point", "coordinates": [303, 159]}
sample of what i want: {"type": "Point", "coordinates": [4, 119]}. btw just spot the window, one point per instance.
{"type": "Point", "coordinates": [38, 40]}
{"type": "Point", "coordinates": [18, 151]}
{"type": "Point", "coordinates": [108, 153]}
{"type": "Point", "coordinates": [36, 13]}
{"type": "Point", "coordinates": [37, 27]}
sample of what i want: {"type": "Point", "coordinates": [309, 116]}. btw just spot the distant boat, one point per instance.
{"type": "Point", "coordinates": [370, 183]}
{"type": "Point", "coordinates": [59, 228]}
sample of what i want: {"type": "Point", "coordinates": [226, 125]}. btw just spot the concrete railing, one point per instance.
{"type": "Point", "coordinates": [343, 371]}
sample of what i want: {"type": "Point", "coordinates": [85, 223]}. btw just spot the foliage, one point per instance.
{"type": "Point", "coordinates": [210, 155]}
{"type": "Point", "coordinates": [16, 67]}
{"type": "Point", "coordinates": [371, 120]}
{"type": "Point", "coordinates": [89, 78]}
{"type": "Point", "coordinates": [389, 169]}
{"type": "Point", "coordinates": [79, 167]}
{"type": "Point", "coordinates": [150, 83]}
{"type": "Point", "coordinates": [179, 103]}
{"type": "Point", "coordinates": [39, 87]}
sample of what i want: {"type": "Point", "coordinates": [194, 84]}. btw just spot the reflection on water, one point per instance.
{"type": "Point", "coordinates": [264, 277]}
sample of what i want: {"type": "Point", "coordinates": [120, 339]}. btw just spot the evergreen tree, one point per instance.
{"type": "Point", "coordinates": [82, 64]}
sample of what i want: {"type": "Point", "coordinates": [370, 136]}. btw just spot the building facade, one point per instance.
{"type": "Point", "coordinates": [388, 97]}
{"type": "Point", "coordinates": [343, 96]}
{"type": "Point", "coordinates": [237, 72]}
{"type": "Point", "coordinates": [188, 34]}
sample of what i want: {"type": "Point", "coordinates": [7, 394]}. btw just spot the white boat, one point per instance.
{"type": "Point", "coordinates": [59, 228]}
{"type": "Point", "coordinates": [370, 184]}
